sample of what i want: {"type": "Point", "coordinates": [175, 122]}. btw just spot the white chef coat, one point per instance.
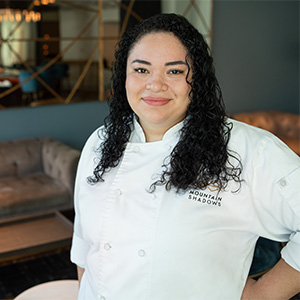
{"type": "Point", "coordinates": [198, 244]}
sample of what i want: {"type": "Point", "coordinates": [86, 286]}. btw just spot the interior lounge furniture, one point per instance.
{"type": "Point", "coordinates": [10, 74]}
{"type": "Point", "coordinates": [54, 74]}
{"type": "Point", "coordinates": [284, 125]}
{"type": "Point", "coordinates": [36, 175]}
{"type": "Point", "coordinates": [36, 183]}
{"type": "Point", "coordinates": [53, 290]}
{"type": "Point", "coordinates": [33, 89]}
{"type": "Point", "coordinates": [32, 236]}
{"type": "Point", "coordinates": [29, 87]}
{"type": "Point", "coordinates": [8, 79]}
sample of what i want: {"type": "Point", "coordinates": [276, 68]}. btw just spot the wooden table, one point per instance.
{"type": "Point", "coordinates": [32, 235]}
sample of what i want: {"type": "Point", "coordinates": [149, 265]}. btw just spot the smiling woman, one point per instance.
{"type": "Point", "coordinates": [139, 231]}
{"type": "Point", "coordinates": [156, 83]}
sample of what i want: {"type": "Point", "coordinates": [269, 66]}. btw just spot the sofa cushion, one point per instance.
{"type": "Point", "coordinates": [60, 162]}
{"type": "Point", "coordinates": [20, 157]}
{"type": "Point", "coordinates": [31, 193]}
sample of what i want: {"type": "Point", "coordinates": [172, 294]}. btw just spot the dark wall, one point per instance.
{"type": "Point", "coordinates": [71, 124]}
{"type": "Point", "coordinates": [256, 52]}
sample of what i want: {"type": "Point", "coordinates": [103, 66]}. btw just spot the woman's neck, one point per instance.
{"type": "Point", "coordinates": [153, 133]}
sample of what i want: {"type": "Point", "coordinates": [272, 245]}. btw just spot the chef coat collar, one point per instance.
{"type": "Point", "coordinates": [138, 136]}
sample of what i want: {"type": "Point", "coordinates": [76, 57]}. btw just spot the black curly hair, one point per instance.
{"type": "Point", "coordinates": [201, 157]}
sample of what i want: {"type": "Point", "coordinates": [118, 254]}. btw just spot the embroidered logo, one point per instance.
{"type": "Point", "coordinates": [209, 196]}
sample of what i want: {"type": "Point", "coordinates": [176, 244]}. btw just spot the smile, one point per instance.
{"type": "Point", "coordinates": [156, 101]}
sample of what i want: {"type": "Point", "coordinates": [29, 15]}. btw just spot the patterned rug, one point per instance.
{"type": "Point", "coordinates": [18, 277]}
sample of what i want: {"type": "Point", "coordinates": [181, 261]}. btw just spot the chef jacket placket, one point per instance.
{"type": "Point", "coordinates": [138, 208]}
{"type": "Point", "coordinates": [104, 247]}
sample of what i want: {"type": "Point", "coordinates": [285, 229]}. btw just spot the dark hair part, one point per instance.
{"type": "Point", "coordinates": [201, 157]}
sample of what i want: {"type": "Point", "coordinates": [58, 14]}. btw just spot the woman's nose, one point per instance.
{"type": "Point", "coordinates": [156, 84]}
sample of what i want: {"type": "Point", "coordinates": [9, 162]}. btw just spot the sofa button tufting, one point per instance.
{"type": "Point", "coordinates": [29, 180]}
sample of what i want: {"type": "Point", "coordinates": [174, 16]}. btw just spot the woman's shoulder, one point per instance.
{"type": "Point", "coordinates": [94, 141]}
{"type": "Point", "coordinates": [248, 140]}
{"type": "Point", "coordinates": [244, 133]}
{"type": "Point", "coordinates": [242, 128]}
{"type": "Point", "coordinates": [96, 137]}
{"type": "Point", "coordinates": [90, 151]}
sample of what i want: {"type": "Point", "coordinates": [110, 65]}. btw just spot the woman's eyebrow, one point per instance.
{"type": "Point", "coordinates": [171, 63]}
{"type": "Point", "coordinates": [177, 62]}
{"type": "Point", "coordinates": [140, 61]}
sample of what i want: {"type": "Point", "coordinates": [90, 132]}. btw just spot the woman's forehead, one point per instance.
{"type": "Point", "coordinates": [159, 44]}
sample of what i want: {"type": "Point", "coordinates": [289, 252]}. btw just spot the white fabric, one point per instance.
{"type": "Point", "coordinates": [53, 290]}
{"type": "Point", "coordinates": [138, 245]}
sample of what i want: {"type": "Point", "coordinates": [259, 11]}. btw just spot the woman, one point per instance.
{"type": "Point", "coordinates": [171, 196]}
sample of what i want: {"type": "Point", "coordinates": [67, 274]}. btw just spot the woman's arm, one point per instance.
{"type": "Point", "coordinates": [280, 283]}
{"type": "Point", "coordinates": [80, 272]}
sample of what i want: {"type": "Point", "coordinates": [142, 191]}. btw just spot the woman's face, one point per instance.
{"type": "Point", "coordinates": [156, 85]}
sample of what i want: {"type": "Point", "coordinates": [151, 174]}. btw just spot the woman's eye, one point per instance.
{"type": "Point", "coordinates": [141, 70]}
{"type": "Point", "coordinates": [174, 72]}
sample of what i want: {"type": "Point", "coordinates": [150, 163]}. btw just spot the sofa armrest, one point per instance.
{"type": "Point", "coordinates": [60, 162]}
{"type": "Point", "coordinates": [294, 144]}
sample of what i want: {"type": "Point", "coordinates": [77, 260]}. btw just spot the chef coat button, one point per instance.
{"type": "Point", "coordinates": [142, 253]}
{"type": "Point", "coordinates": [136, 149]}
{"type": "Point", "coordinates": [282, 182]}
{"type": "Point", "coordinates": [107, 246]}
{"type": "Point", "coordinates": [153, 196]}
{"type": "Point", "coordinates": [118, 192]}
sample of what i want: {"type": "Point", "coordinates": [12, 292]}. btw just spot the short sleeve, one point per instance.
{"type": "Point", "coordinates": [80, 246]}
{"type": "Point", "coordinates": [289, 189]}
{"type": "Point", "coordinates": [79, 251]}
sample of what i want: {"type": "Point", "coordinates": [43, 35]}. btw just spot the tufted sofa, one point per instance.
{"type": "Point", "coordinates": [36, 175]}
{"type": "Point", "coordinates": [284, 125]}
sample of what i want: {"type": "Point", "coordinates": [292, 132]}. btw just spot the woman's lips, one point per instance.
{"type": "Point", "coordinates": [156, 101]}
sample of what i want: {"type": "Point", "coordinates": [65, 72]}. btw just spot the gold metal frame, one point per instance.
{"type": "Point", "coordinates": [97, 14]}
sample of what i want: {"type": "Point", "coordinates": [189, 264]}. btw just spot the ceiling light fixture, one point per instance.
{"type": "Point", "coordinates": [12, 15]}
{"type": "Point", "coordinates": [15, 14]}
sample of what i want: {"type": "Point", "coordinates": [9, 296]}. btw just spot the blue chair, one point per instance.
{"type": "Point", "coordinates": [52, 76]}
{"type": "Point", "coordinates": [49, 76]}
{"type": "Point", "coordinates": [61, 70]}
{"type": "Point", "coordinates": [62, 73]}
{"type": "Point", "coordinates": [30, 88]}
